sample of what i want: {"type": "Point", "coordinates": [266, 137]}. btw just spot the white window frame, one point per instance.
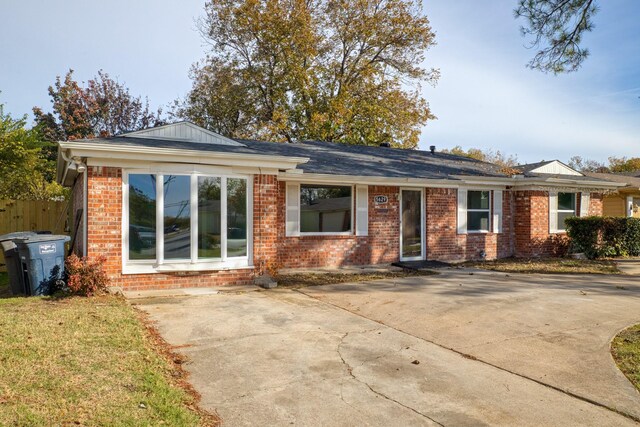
{"type": "Point", "coordinates": [488, 210]}
{"type": "Point", "coordinates": [561, 228]}
{"type": "Point", "coordinates": [351, 232]}
{"type": "Point", "coordinates": [160, 265]}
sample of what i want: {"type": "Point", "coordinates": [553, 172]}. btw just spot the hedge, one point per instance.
{"type": "Point", "coordinates": [598, 236]}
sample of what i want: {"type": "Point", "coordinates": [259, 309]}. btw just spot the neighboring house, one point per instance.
{"type": "Point", "coordinates": [625, 201]}
{"type": "Point", "coordinates": [180, 206]}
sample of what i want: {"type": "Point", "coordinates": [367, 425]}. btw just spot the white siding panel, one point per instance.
{"type": "Point", "coordinates": [497, 211]}
{"type": "Point", "coordinates": [553, 212]}
{"type": "Point", "coordinates": [293, 209]}
{"type": "Point", "coordinates": [462, 211]}
{"type": "Point", "coordinates": [585, 199]}
{"type": "Point", "coordinates": [184, 131]}
{"type": "Point", "coordinates": [556, 168]}
{"type": "Point", "coordinates": [362, 210]}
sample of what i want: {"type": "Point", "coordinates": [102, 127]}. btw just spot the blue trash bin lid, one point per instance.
{"type": "Point", "coordinates": [17, 235]}
{"type": "Point", "coordinates": [35, 238]}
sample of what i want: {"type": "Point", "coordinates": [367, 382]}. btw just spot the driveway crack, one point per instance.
{"type": "Point", "coordinates": [350, 369]}
{"type": "Point", "coordinates": [471, 357]}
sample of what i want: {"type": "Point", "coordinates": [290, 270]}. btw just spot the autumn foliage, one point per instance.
{"type": "Point", "coordinates": [331, 70]}
{"type": "Point", "coordinates": [86, 276]}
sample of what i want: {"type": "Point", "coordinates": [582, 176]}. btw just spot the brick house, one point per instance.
{"type": "Point", "coordinates": [180, 206]}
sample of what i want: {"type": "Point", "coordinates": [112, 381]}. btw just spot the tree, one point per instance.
{"type": "Point", "coordinates": [489, 156]}
{"type": "Point", "coordinates": [556, 28]}
{"type": "Point", "coordinates": [336, 70]}
{"type": "Point", "coordinates": [623, 164]}
{"type": "Point", "coordinates": [103, 108]}
{"type": "Point", "coordinates": [587, 165]}
{"type": "Point", "coordinates": [25, 173]}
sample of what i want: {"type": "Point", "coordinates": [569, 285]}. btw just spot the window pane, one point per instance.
{"type": "Point", "coordinates": [142, 216]}
{"type": "Point", "coordinates": [325, 209]}
{"type": "Point", "coordinates": [478, 200]}
{"type": "Point", "coordinates": [566, 202]}
{"type": "Point", "coordinates": [561, 217]}
{"type": "Point", "coordinates": [411, 223]}
{"type": "Point", "coordinates": [236, 217]}
{"type": "Point", "coordinates": [478, 221]}
{"type": "Point", "coordinates": [177, 217]}
{"type": "Point", "coordinates": [209, 218]}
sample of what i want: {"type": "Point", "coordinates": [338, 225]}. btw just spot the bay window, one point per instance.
{"type": "Point", "coordinates": [185, 221]}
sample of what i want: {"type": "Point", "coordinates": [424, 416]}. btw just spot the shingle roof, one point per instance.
{"type": "Point", "coordinates": [340, 159]}
{"type": "Point", "coordinates": [629, 179]}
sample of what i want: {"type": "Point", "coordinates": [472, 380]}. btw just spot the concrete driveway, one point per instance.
{"type": "Point", "coordinates": [454, 349]}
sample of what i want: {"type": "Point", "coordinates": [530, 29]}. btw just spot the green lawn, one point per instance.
{"type": "Point", "coordinates": [547, 266]}
{"type": "Point", "coordinates": [86, 361]}
{"type": "Point", "coordinates": [625, 349]}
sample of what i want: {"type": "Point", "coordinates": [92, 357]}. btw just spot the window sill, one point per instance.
{"type": "Point", "coordinates": [318, 236]}
{"type": "Point", "coordinates": [241, 263]}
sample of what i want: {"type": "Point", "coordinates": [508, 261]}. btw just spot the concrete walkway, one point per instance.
{"type": "Point", "coordinates": [369, 354]}
{"type": "Point", "coordinates": [630, 266]}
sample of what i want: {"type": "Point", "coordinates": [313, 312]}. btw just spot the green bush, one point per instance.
{"type": "Point", "coordinates": [604, 236]}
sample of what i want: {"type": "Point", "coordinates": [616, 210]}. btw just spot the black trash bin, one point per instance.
{"type": "Point", "coordinates": [12, 261]}
{"type": "Point", "coordinates": [42, 258]}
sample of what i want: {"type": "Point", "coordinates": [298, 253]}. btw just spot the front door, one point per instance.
{"type": "Point", "coordinates": [411, 225]}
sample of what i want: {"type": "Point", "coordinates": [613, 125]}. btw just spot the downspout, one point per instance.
{"type": "Point", "coordinates": [85, 182]}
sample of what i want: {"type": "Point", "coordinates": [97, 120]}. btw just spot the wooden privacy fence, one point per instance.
{"type": "Point", "coordinates": [31, 215]}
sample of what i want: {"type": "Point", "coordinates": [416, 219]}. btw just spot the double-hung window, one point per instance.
{"type": "Point", "coordinates": [566, 208]}
{"type": "Point", "coordinates": [179, 221]}
{"type": "Point", "coordinates": [478, 211]}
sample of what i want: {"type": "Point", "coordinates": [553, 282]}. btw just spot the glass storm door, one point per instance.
{"type": "Point", "coordinates": [411, 225]}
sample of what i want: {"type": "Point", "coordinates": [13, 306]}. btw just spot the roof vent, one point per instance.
{"type": "Point", "coordinates": [432, 148]}
{"type": "Point", "coordinates": [385, 144]}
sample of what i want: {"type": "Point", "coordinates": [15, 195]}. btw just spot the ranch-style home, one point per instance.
{"type": "Point", "coordinates": [180, 206]}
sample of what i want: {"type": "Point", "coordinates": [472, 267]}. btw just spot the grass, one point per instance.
{"type": "Point", "coordinates": [4, 284]}
{"type": "Point", "coordinates": [301, 280]}
{"type": "Point", "coordinates": [625, 349]}
{"type": "Point", "coordinates": [547, 266]}
{"type": "Point", "coordinates": [87, 361]}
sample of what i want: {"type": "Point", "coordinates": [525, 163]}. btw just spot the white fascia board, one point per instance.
{"type": "Point", "coordinates": [174, 155]}
{"type": "Point", "coordinates": [376, 180]}
{"type": "Point", "coordinates": [555, 182]}
{"type": "Point", "coordinates": [187, 167]}
{"type": "Point", "coordinates": [535, 181]}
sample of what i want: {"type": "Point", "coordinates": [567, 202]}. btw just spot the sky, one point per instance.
{"type": "Point", "coordinates": [486, 97]}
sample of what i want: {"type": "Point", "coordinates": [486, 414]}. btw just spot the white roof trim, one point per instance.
{"type": "Point", "coordinates": [182, 131]}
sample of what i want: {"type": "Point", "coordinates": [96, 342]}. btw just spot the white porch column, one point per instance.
{"type": "Point", "coordinates": [629, 206]}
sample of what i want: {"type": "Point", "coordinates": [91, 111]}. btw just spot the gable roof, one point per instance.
{"type": "Point", "coordinates": [548, 167]}
{"type": "Point", "coordinates": [181, 131]}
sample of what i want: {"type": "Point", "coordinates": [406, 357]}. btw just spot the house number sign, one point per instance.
{"type": "Point", "coordinates": [380, 200]}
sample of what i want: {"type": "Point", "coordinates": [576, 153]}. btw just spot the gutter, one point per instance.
{"type": "Point", "coordinates": [88, 149]}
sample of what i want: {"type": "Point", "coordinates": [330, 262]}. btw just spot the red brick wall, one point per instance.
{"type": "Point", "coordinates": [525, 233]}
{"type": "Point", "coordinates": [380, 246]}
{"type": "Point", "coordinates": [443, 241]}
{"type": "Point", "coordinates": [532, 224]}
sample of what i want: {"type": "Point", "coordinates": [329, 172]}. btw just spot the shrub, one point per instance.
{"type": "Point", "coordinates": [86, 277]}
{"type": "Point", "coordinates": [604, 236]}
